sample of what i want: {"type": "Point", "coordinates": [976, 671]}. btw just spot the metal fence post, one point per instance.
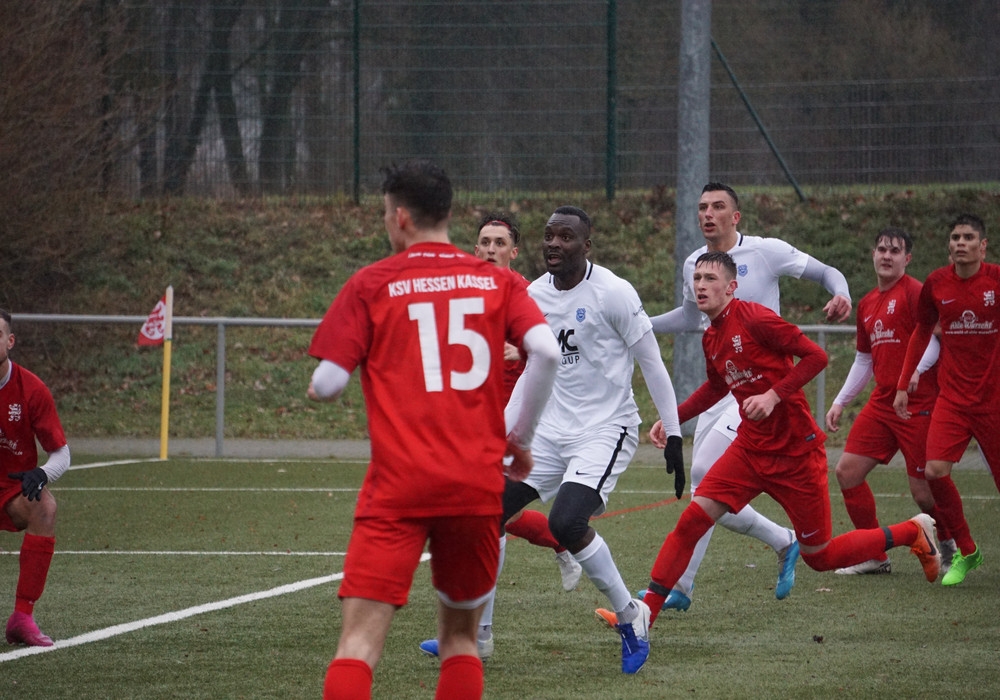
{"type": "Point", "coordinates": [220, 387]}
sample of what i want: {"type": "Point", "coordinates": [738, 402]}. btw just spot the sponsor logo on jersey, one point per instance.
{"type": "Point", "coordinates": [969, 324]}
{"type": "Point", "coordinates": [881, 335]}
{"type": "Point", "coordinates": [737, 377]}
{"type": "Point", "coordinates": [570, 352]}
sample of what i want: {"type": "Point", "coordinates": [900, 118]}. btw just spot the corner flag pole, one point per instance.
{"type": "Point", "coordinates": [168, 334]}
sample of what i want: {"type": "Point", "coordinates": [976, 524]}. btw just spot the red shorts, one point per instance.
{"type": "Point", "coordinates": [879, 433]}
{"type": "Point", "coordinates": [6, 495]}
{"type": "Point", "coordinates": [798, 483]}
{"type": "Point", "coordinates": [383, 554]}
{"type": "Point", "coordinates": [951, 429]}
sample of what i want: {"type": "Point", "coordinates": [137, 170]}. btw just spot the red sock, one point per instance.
{"type": "Point", "coordinates": [348, 679]}
{"type": "Point", "coordinates": [860, 504]}
{"type": "Point", "coordinates": [461, 679]}
{"type": "Point", "coordinates": [857, 546]}
{"type": "Point", "coordinates": [949, 505]}
{"type": "Point", "coordinates": [36, 556]}
{"type": "Point", "coordinates": [533, 526]}
{"type": "Point", "coordinates": [675, 554]}
{"type": "Point", "coordinates": [943, 533]}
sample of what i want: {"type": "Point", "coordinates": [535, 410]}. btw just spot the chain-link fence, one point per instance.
{"type": "Point", "coordinates": [249, 97]}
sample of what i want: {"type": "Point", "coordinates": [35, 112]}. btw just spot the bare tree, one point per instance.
{"type": "Point", "coordinates": [57, 142]}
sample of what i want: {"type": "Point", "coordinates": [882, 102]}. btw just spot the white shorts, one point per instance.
{"type": "Point", "coordinates": [724, 417]}
{"type": "Point", "coordinates": [596, 460]}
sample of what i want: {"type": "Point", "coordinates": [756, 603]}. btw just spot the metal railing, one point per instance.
{"type": "Point", "coordinates": [222, 322]}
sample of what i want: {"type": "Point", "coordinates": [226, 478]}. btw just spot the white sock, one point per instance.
{"type": "Point", "coordinates": [487, 619]}
{"type": "Point", "coordinates": [600, 568]}
{"type": "Point", "coordinates": [750, 522]}
{"type": "Point", "coordinates": [685, 584]}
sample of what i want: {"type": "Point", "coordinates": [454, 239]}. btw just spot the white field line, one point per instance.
{"type": "Point", "coordinates": [219, 460]}
{"type": "Point", "coordinates": [664, 493]}
{"type": "Point", "coordinates": [192, 553]}
{"type": "Point", "coordinates": [177, 615]}
{"type": "Point", "coordinates": [270, 489]}
{"type": "Point", "coordinates": [118, 463]}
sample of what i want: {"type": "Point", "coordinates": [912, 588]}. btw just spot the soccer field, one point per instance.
{"type": "Point", "coordinates": [204, 578]}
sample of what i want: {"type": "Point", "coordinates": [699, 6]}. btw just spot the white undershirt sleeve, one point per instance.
{"type": "Point", "coordinates": [831, 278]}
{"type": "Point", "coordinates": [858, 376]}
{"type": "Point", "coordinates": [57, 463]}
{"type": "Point", "coordinates": [685, 317]}
{"type": "Point", "coordinates": [930, 356]}
{"type": "Point", "coordinates": [534, 386]}
{"type": "Point", "coordinates": [329, 379]}
{"type": "Point", "coordinates": [661, 389]}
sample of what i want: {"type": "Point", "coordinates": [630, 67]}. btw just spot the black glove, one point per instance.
{"type": "Point", "coordinates": [31, 482]}
{"type": "Point", "coordinates": [674, 454]}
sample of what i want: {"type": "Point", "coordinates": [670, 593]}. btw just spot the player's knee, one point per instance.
{"type": "Point", "coordinates": [568, 527]}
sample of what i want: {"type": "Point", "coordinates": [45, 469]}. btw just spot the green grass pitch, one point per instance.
{"type": "Point", "coordinates": [199, 578]}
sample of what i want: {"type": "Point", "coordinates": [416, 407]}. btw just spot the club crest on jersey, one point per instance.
{"type": "Point", "coordinates": [989, 298]}
{"type": "Point", "coordinates": [891, 308]}
{"type": "Point", "coordinates": [14, 412]}
{"type": "Point", "coordinates": [737, 343]}
{"type": "Point", "coordinates": [581, 314]}
{"type": "Point", "coordinates": [742, 270]}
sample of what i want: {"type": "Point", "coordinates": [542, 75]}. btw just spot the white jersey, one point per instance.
{"type": "Point", "coordinates": [595, 323]}
{"type": "Point", "coordinates": [760, 262]}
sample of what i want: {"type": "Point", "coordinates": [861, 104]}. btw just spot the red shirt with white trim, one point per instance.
{"type": "Point", "coordinates": [749, 349]}
{"type": "Point", "coordinates": [27, 411]}
{"type": "Point", "coordinates": [968, 311]}
{"type": "Point", "coordinates": [885, 320]}
{"type": "Point", "coordinates": [427, 328]}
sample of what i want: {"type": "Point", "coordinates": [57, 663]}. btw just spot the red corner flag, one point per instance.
{"type": "Point", "coordinates": [151, 332]}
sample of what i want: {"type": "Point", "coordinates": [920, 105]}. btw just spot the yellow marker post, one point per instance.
{"type": "Point", "coordinates": [168, 333]}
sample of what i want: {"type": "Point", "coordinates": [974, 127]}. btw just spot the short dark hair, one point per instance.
{"type": "Point", "coordinates": [893, 233]}
{"type": "Point", "coordinates": [719, 187]}
{"type": "Point", "coordinates": [717, 257]}
{"type": "Point", "coordinates": [969, 220]}
{"type": "Point", "coordinates": [504, 219]}
{"type": "Point", "coordinates": [422, 187]}
{"type": "Point", "coordinates": [5, 315]}
{"type": "Point", "coordinates": [575, 211]}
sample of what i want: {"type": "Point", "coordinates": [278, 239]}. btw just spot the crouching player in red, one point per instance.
{"type": "Point", "coordinates": [427, 327]}
{"type": "Point", "coordinates": [27, 412]}
{"type": "Point", "coordinates": [778, 449]}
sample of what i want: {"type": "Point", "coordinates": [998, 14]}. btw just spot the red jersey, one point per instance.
{"type": "Point", "coordinates": [748, 350]}
{"type": "Point", "coordinates": [427, 327]}
{"type": "Point", "coordinates": [27, 411]}
{"type": "Point", "coordinates": [512, 369]}
{"type": "Point", "coordinates": [885, 322]}
{"type": "Point", "coordinates": [970, 322]}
